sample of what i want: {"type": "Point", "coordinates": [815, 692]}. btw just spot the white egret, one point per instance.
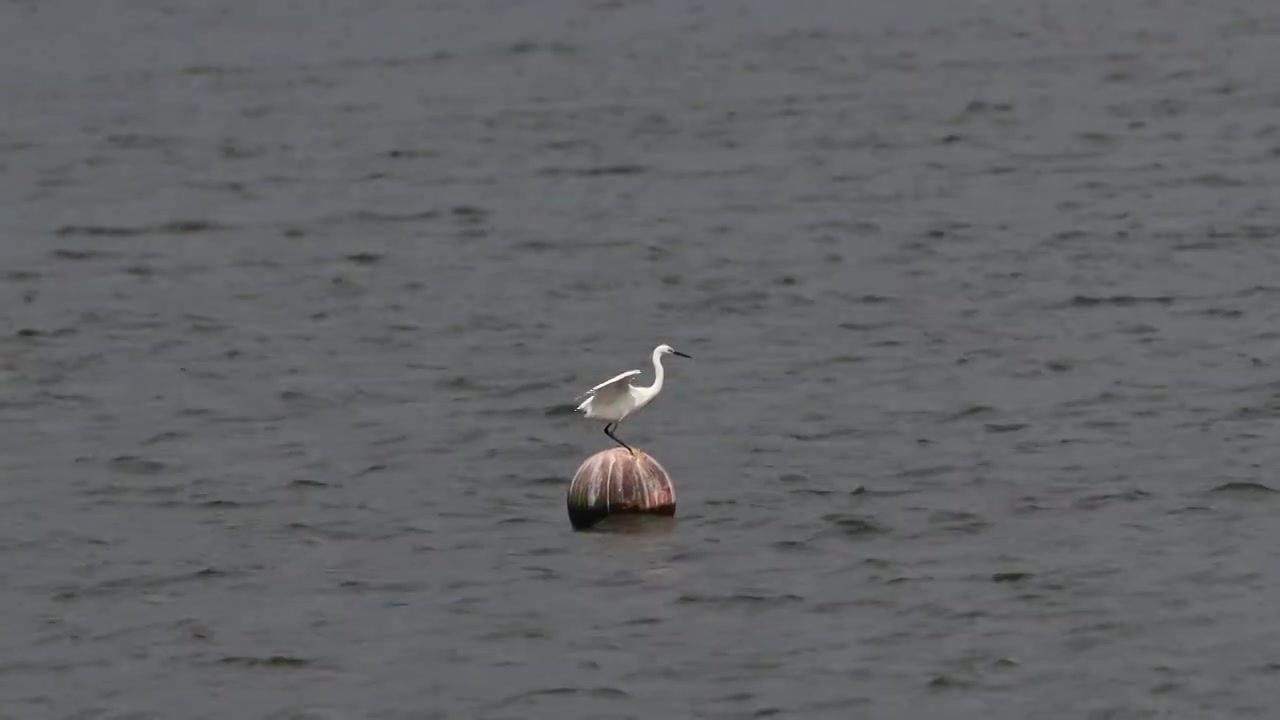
{"type": "Point", "coordinates": [616, 398]}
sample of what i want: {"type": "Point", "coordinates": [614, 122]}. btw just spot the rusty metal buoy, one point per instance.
{"type": "Point", "coordinates": [615, 482]}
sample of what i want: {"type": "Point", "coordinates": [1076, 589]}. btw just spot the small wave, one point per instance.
{"type": "Point", "coordinates": [271, 661]}
{"type": "Point", "coordinates": [1242, 487]}
{"type": "Point", "coordinates": [595, 171]}
{"type": "Point", "coordinates": [1082, 301]}
{"type": "Point", "coordinates": [173, 227]}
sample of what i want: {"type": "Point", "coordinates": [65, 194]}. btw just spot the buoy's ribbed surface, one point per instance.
{"type": "Point", "coordinates": [613, 482]}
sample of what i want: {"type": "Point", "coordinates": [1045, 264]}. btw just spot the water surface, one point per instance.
{"type": "Point", "coordinates": [983, 301]}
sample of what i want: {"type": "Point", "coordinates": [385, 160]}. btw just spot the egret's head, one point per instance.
{"type": "Point", "coordinates": [668, 350]}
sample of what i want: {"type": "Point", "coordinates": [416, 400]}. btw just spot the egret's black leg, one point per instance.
{"type": "Point", "coordinates": [609, 432]}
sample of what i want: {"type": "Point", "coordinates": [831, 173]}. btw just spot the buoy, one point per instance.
{"type": "Point", "coordinates": [615, 482]}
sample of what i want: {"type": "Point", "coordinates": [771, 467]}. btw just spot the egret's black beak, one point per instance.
{"type": "Point", "coordinates": [677, 352]}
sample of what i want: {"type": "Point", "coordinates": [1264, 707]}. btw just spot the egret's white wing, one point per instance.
{"type": "Point", "coordinates": [611, 388]}
{"type": "Point", "coordinates": [614, 379]}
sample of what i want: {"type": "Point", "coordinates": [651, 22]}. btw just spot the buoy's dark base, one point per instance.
{"type": "Point", "coordinates": [615, 483]}
{"type": "Point", "coordinates": [587, 518]}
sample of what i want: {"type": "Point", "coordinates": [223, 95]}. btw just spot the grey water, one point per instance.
{"type": "Point", "coordinates": [983, 299]}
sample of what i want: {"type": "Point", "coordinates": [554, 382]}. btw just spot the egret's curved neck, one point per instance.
{"type": "Point", "coordinates": [658, 373]}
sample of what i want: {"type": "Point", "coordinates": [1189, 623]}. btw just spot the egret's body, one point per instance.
{"type": "Point", "coordinates": [616, 398]}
